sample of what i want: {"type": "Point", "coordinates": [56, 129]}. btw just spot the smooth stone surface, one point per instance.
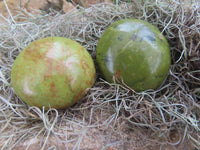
{"type": "Point", "coordinates": [134, 52]}
{"type": "Point", "coordinates": [53, 72]}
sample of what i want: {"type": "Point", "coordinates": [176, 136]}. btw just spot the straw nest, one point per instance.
{"type": "Point", "coordinates": [110, 116]}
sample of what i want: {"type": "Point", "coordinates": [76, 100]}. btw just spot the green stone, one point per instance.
{"type": "Point", "coordinates": [134, 52]}
{"type": "Point", "coordinates": [53, 72]}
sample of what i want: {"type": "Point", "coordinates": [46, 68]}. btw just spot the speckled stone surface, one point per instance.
{"type": "Point", "coordinates": [54, 72]}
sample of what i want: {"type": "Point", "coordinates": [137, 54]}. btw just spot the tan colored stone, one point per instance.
{"type": "Point", "coordinates": [89, 3]}
{"type": "Point", "coordinates": [13, 7]}
{"type": "Point", "coordinates": [67, 7]}
{"type": "Point", "coordinates": [32, 6]}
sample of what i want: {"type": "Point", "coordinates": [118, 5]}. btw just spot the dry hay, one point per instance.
{"type": "Point", "coordinates": [123, 119]}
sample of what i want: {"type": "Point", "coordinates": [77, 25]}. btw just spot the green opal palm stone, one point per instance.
{"type": "Point", "coordinates": [53, 72]}
{"type": "Point", "coordinates": [134, 52]}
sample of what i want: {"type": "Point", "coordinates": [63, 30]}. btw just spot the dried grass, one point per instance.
{"type": "Point", "coordinates": [110, 108]}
